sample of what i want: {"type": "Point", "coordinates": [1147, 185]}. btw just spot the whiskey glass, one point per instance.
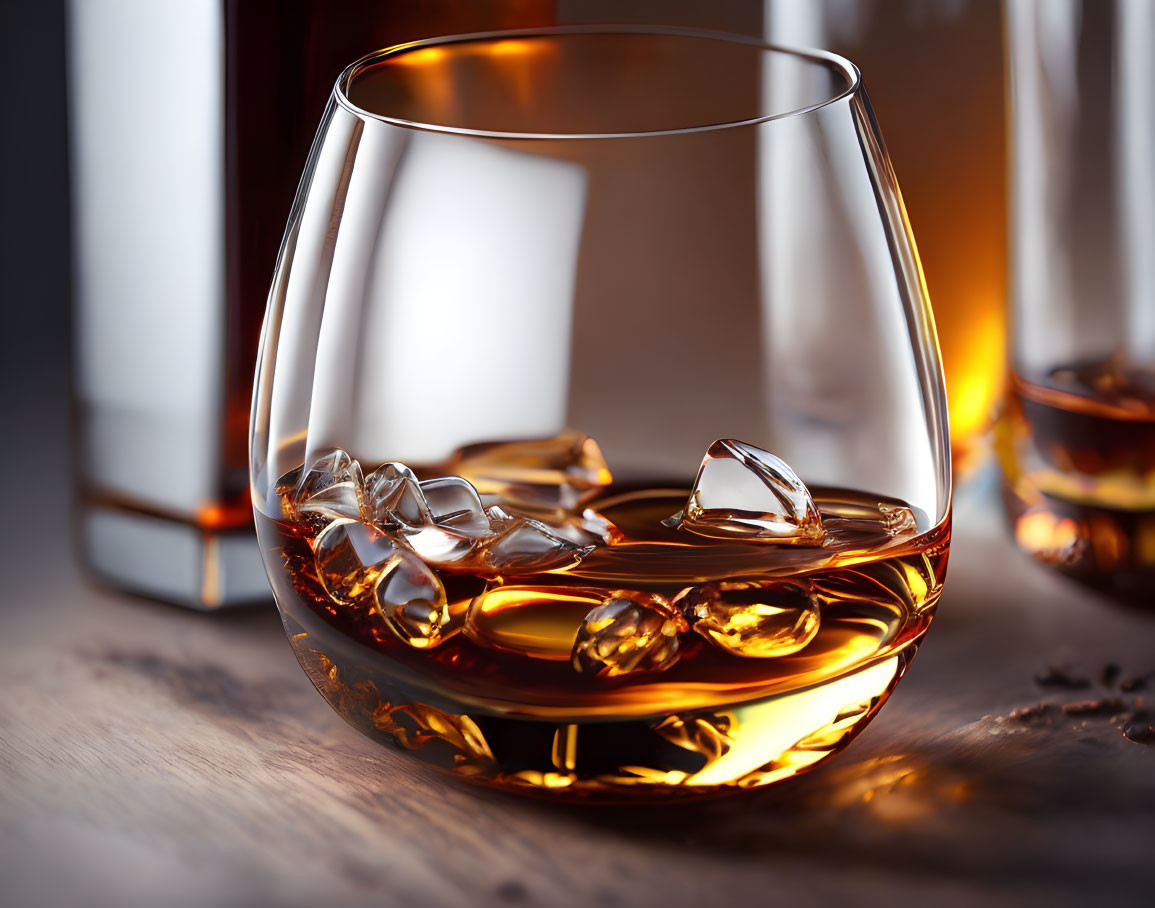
{"type": "Point", "coordinates": [599, 443]}
{"type": "Point", "coordinates": [1076, 438]}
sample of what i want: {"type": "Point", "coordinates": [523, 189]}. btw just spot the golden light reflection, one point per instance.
{"type": "Point", "coordinates": [973, 341]}
{"type": "Point", "coordinates": [897, 788]}
{"type": "Point", "coordinates": [1046, 535]}
{"type": "Point", "coordinates": [517, 65]}
{"type": "Point", "coordinates": [423, 56]}
{"type": "Point", "coordinates": [778, 724]}
{"type": "Point", "coordinates": [512, 47]}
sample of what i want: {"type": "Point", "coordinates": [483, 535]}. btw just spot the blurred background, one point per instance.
{"type": "Point", "coordinates": [162, 367]}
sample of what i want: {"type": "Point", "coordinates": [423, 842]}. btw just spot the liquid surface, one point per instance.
{"type": "Point", "coordinates": [659, 660]}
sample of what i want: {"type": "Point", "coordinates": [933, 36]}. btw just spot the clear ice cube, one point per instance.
{"type": "Point", "coordinates": [456, 521]}
{"type": "Point", "coordinates": [558, 473]}
{"type": "Point", "coordinates": [523, 545]}
{"type": "Point", "coordinates": [629, 632]}
{"type": "Point", "coordinates": [331, 487]}
{"type": "Point", "coordinates": [412, 601]}
{"type": "Point", "coordinates": [758, 620]}
{"type": "Point", "coordinates": [454, 503]}
{"type": "Point", "coordinates": [393, 497]}
{"type": "Point", "coordinates": [898, 519]}
{"type": "Point", "coordinates": [350, 557]}
{"type": "Point", "coordinates": [438, 545]}
{"type": "Point", "coordinates": [743, 491]}
{"type": "Point", "coordinates": [878, 518]}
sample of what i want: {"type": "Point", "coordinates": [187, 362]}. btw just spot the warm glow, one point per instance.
{"type": "Point", "coordinates": [974, 351]}
{"type": "Point", "coordinates": [226, 515]}
{"type": "Point", "coordinates": [424, 56]}
{"type": "Point", "coordinates": [1045, 535]}
{"type": "Point", "coordinates": [513, 48]}
{"type": "Point", "coordinates": [517, 67]}
{"type": "Point", "coordinates": [778, 723]}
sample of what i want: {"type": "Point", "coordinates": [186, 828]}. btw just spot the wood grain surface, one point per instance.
{"type": "Point", "coordinates": [152, 756]}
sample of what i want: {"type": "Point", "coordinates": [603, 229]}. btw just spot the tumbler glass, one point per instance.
{"type": "Point", "coordinates": [599, 444]}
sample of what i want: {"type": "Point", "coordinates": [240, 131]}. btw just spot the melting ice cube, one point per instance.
{"type": "Point", "coordinates": [393, 497]}
{"type": "Point", "coordinates": [543, 474]}
{"type": "Point", "coordinates": [628, 632]}
{"type": "Point", "coordinates": [898, 519]}
{"type": "Point", "coordinates": [759, 620]}
{"type": "Point", "coordinates": [453, 503]}
{"type": "Point", "coordinates": [411, 599]}
{"type": "Point", "coordinates": [741, 490]}
{"type": "Point", "coordinates": [330, 487]}
{"type": "Point", "coordinates": [456, 521]}
{"type": "Point", "coordinates": [523, 546]}
{"type": "Point", "coordinates": [350, 557]}
{"type": "Point", "coordinates": [879, 518]}
{"type": "Point", "coordinates": [438, 546]}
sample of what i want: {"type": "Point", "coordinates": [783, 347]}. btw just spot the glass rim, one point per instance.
{"type": "Point", "coordinates": [833, 61]}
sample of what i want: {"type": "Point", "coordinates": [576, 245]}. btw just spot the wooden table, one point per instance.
{"type": "Point", "coordinates": [152, 756]}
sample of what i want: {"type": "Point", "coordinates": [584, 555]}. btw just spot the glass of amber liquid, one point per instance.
{"type": "Point", "coordinates": [1077, 437]}
{"type": "Point", "coordinates": [599, 446]}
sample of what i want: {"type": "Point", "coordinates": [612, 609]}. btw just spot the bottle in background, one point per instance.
{"type": "Point", "coordinates": [190, 124]}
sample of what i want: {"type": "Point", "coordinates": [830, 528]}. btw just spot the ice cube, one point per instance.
{"type": "Point", "coordinates": [628, 632]}
{"type": "Point", "coordinates": [393, 497]}
{"type": "Point", "coordinates": [864, 516]}
{"type": "Point", "coordinates": [411, 599]}
{"type": "Point", "coordinates": [741, 490]}
{"type": "Point", "coordinates": [350, 557]}
{"type": "Point", "coordinates": [455, 505]}
{"type": "Point", "coordinates": [759, 620]}
{"type": "Point", "coordinates": [438, 545]}
{"type": "Point", "coordinates": [558, 473]}
{"type": "Point", "coordinates": [499, 518]}
{"type": "Point", "coordinates": [330, 487]}
{"type": "Point", "coordinates": [584, 530]}
{"type": "Point", "coordinates": [455, 520]}
{"type": "Point", "coordinates": [524, 546]}
{"type": "Point", "coordinates": [899, 520]}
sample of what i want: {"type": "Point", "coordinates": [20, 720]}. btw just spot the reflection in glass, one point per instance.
{"type": "Point", "coordinates": [599, 442]}
{"type": "Point", "coordinates": [935, 73]}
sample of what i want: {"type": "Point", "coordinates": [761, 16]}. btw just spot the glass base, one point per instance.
{"type": "Point", "coordinates": [172, 560]}
{"type": "Point", "coordinates": [605, 759]}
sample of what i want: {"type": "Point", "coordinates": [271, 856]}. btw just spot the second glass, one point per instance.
{"type": "Point", "coordinates": [1077, 436]}
{"type": "Point", "coordinates": [599, 443]}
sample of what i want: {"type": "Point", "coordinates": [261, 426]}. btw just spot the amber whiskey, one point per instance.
{"type": "Point", "coordinates": [1078, 454]}
{"type": "Point", "coordinates": [592, 639]}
